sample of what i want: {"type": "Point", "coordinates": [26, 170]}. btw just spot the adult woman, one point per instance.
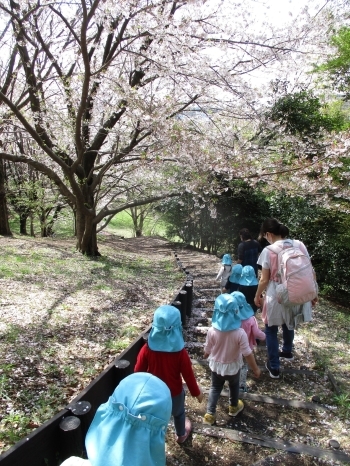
{"type": "Point", "coordinates": [273, 313]}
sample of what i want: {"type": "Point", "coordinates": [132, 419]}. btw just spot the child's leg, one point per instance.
{"type": "Point", "coordinates": [217, 383]}
{"type": "Point", "coordinates": [178, 411]}
{"type": "Point", "coordinates": [233, 384]}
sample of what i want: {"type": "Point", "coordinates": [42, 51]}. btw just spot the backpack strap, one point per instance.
{"type": "Point", "coordinates": [273, 262]}
{"type": "Point", "coordinates": [276, 249]}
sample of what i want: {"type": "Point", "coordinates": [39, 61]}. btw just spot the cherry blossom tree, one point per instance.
{"type": "Point", "coordinates": [108, 90]}
{"type": "Point", "coordinates": [4, 220]}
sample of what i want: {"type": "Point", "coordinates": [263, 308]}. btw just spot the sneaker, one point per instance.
{"type": "Point", "coordinates": [234, 410]}
{"type": "Point", "coordinates": [284, 355]}
{"type": "Point", "coordinates": [209, 419]}
{"type": "Point", "coordinates": [188, 428]}
{"type": "Point", "coordinates": [274, 373]}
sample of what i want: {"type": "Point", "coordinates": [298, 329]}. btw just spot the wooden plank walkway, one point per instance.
{"type": "Point", "coordinates": [263, 441]}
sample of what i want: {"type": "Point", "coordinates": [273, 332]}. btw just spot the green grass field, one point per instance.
{"type": "Point", "coordinates": [120, 225]}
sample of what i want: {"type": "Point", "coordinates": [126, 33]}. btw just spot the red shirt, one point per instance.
{"type": "Point", "coordinates": [168, 367]}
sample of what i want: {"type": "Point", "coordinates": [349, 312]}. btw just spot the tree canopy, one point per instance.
{"type": "Point", "coordinates": [124, 103]}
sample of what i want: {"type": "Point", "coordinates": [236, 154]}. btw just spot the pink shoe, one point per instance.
{"type": "Point", "coordinates": [188, 428]}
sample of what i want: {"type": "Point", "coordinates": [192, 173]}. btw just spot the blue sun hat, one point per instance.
{"type": "Point", "coordinates": [166, 332]}
{"type": "Point", "coordinates": [129, 430]}
{"type": "Point", "coordinates": [248, 276]}
{"type": "Point", "coordinates": [245, 309]}
{"type": "Point", "coordinates": [226, 313]}
{"type": "Point", "coordinates": [226, 259]}
{"type": "Point", "coordinates": [236, 273]}
{"type": "Point", "coordinates": [75, 461]}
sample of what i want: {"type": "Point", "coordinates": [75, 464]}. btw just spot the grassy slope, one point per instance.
{"type": "Point", "coordinates": [64, 317]}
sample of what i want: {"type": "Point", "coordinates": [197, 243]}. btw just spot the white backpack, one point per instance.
{"type": "Point", "coordinates": [294, 273]}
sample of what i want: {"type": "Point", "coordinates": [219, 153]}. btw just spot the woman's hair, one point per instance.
{"type": "Point", "coordinates": [272, 225]}
{"type": "Point", "coordinates": [245, 234]}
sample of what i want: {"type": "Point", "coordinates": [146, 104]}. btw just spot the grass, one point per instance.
{"type": "Point", "coordinates": [328, 336]}
{"type": "Point", "coordinates": [64, 316]}
{"type": "Point", "coordinates": [120, 225]}
{"type": "Point", "coordinates": [343, 403]}
{"type": "Point", "coordinates": [16, 426]}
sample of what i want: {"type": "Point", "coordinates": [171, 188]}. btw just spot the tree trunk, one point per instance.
{"type": "Point", "coordinates": [86, 234]}
{"type": "Point", "coordinates": [74, 223]}
{"type": "Point", "coordinates": [4, 219]}
{"type": "Point", "coordinates": [32, 232]}
{"type": "Point", "coordinates": [43, 229]}
{"type": "Point", "coordinates": [23, 224]}
{"type": "Point", "coordinates": [138, 215]}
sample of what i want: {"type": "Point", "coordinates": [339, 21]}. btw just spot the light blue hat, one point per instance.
{"type": "Point", "coordinates": [226, 313]}
{"type": "Point", "coordinates": [129, 430]}
{"type": "Point", "coordinates": [248, 277]}
{"type": "Point", "coordinates": [226, 259]}
{"type": "Point", "coordinates": [236, 273]}
{"type": "Point", "coordinates": [245, 309]}
{"type": "Point", "coordinates": [166, 332]}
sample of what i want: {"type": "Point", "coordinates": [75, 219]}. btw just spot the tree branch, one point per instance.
{"type": "Point", "coordinates": [106, 212]}
{"type": "Point", "coordinates": [43, 169]}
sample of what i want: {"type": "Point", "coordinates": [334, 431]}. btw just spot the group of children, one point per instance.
{"type": "Point", "coordinates": [238, 278]}
{"type": "Point", "coordinates": [141, 405]}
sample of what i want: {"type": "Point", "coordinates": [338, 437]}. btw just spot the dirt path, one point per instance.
{"type": "Point", "coordinates": [278, 413]}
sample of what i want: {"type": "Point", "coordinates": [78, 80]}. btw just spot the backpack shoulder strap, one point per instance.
{"type": "Point", "coordinates": [275, 249]}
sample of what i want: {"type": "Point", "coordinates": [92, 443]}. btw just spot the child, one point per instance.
{"type": "Point", "coordinates": [248, 284]}
{"type": "Point", "coordinates": [164, 355]}
{"type": "Point", "coordinates": [129, 430]}
{"type": "Point", "coordinates": [225, 344]}
{"type": "Point", "coordinates": [248, 321]}
{"type": "Point", "coordinates": [225, 270]}
{"type": "Point", "coordinates": [232, 283]}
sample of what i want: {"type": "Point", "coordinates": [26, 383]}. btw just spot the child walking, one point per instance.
{"type": "Point", "coordinates": [232, 283]}
{"type": "Point", "coordinates": [164, 356]}
{"type": "Point", "coordinates": [248, 284]}
{"type": "Point", "coordinates": [225, 344]}
{"type": "Point", "coordinates": [225, 270]}
{"type": "Point", "coordinates": [248, 320]}
{"type": "Point", "coordinates": [130, 428]}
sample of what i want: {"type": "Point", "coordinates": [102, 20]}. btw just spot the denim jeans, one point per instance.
{"type": "Point", "coordinates": [178, 411]}
{"type": "Point", "coordinates": [272, 343]}
{"type": "Point", "coordinates": [217, 384]}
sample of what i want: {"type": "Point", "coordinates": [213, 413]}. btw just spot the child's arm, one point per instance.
{"type": "Point", "coordinates": [189, 377]}
{"type": "Point", "coordinates": [257, 333]}
{"type": "Point", "coordinates": [200, 396]}
{"type": "Point", "coordinates": [248, 354]}
{"type": "Point", "coordinates": [221, 271]}
{"type": "Point", "coordinates": [252, 364]}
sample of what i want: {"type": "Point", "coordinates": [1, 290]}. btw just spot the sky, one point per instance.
{"type": "Point", "coordinates": [282, 11]}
